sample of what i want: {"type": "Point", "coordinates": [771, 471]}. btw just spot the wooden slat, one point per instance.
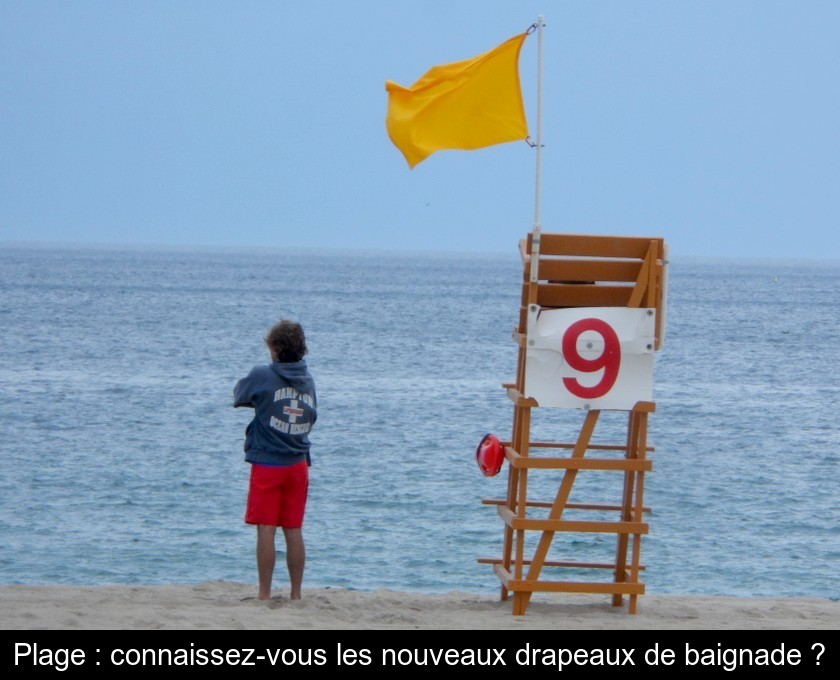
{"type": "Point", "coordinates": [522, 328]}
{"type": "Point", "coordinates": [570, 506]}
{"type": "Point", "coordinates": [641, 287]}
{"type": "Point", "coordinates": [661, 294]}
{"type": "Point", "coordinates": [519, 399]}
{"type": "Point", "coordinates": [556, 463]}
{"type": "Point", "coordinates": [654, 296]}
{"type": "Point", "coordinates": [570, 526]}
{"type": "Point", "coordinates": [580, 526]}
{"type": "Point", "coordinates": [586, 270]}
{"type": "Point", "coordinates": [569, 445]}
{"type": "Point", "coordinates": [584, 295]}
{"type": "Point", "coordinates": [581, 245]}
{"type": "Point", "coordinates": [569, 564]}
{"type": "Point", "coordinates": [576, 587]}
{"type": "Point", "coordinates": [553, 295]}
{"type": "Point", "coordinates": [558, 296]}
{"type": "Point", "coordinates": [528, 586]}
{"type": "Point", "coordinates": [503, 574]}
{"type": "Point", "coordinates": [535, 463]}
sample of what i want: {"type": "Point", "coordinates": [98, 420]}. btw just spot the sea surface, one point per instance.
{"type": "Point", "coordinates": [121, 456]}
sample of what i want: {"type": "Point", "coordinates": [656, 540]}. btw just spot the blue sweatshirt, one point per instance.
{"type": "Point", "coordinates": [285, 409]}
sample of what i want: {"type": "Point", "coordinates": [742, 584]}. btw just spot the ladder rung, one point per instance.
{"type": "Point", "coordinates": [627, 464]}
{"type": "Point", "coordinates": [570, 564]}
{"type": "Point", "coordinates": [527, 586]}
{"type": "Point", "coordinates": [568, 506]}
{"type": "Point", "coordinates": [514, 522]}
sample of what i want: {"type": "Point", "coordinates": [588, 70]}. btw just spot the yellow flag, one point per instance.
{"type": "Point", "coordinates": [464, 105]}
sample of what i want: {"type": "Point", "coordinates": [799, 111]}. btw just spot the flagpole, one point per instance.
{"type": "Point", "coordinates": [535, 239]}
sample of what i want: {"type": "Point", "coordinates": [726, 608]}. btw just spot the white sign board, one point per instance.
{"type": "Point", "coordinates": [590, 357]}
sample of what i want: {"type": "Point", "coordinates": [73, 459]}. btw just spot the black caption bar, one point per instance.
{"type": "Point", "coordinates": [558, 651]}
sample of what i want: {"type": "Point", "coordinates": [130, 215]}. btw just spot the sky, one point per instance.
{"type": "Point", "coordinates": [255, 123]}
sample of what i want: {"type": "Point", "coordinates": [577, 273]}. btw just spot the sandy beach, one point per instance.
{"type": "Point", "coordinates": [223, 605]}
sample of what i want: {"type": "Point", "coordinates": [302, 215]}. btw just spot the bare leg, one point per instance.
{"type": "Point", "coordinates": [266, 556]}
{"type": "Point", "coordinates": [295, 559]}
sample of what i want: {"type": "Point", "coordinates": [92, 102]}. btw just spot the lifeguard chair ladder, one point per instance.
{"type": "Point", "coordinates": [586, 274]}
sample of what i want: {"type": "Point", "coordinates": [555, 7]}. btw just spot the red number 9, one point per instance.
{"type": "Point", "coordinates": [610, 359]}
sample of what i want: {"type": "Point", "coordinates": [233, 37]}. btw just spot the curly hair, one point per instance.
{"type": "Point", "coordinates": [287, 340]}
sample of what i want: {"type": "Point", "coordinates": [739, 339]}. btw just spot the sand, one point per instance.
{"type": "Point", "coordinates": [223, 605]}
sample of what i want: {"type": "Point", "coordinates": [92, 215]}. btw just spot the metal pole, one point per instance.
{"type": "Point", "coordinates": [535, 240]}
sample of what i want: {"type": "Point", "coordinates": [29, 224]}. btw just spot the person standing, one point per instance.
{"type": "Point", "coordinates": [277, 446]}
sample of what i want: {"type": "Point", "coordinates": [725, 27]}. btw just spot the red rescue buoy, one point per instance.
{"type": "Point", "coordinates": [490, 455]}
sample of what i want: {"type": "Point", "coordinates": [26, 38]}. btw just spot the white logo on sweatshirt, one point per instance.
{"type": "Point", "coordinates": [293, 411]}
{"type": "Point", "coordinates": [287, 423]}
{"type": "Point", "coordinates": [291, 393]}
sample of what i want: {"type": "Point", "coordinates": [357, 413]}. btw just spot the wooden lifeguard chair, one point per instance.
{"type": "Point", "coordinates": [591, 318]}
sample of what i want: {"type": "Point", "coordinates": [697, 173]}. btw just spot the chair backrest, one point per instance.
{"type": "Point", "coordinates": [576, 270]}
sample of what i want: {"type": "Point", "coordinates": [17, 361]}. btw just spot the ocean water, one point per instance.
{"type": "Point", "coordinates": [121, 457]}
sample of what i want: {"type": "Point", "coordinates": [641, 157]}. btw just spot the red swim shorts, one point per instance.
{"type": "Point", "coordinates": [277, 495]}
